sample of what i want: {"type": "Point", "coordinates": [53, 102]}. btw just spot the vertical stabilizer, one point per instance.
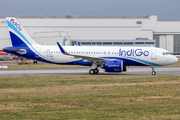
{"type": "Point", "coordinates": [19, 36]}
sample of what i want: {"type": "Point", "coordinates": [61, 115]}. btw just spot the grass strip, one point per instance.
{"type": "Point", "coordinates": [90, 97]}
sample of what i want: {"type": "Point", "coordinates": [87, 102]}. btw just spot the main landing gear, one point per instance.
{"type": "Point", "coordinates": [153, 71]}
{"type": "Point", "coordinates": [94, 69]}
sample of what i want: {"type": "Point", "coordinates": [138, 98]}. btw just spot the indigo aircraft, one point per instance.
{"type": "Point", "coordinates": [112, 59]}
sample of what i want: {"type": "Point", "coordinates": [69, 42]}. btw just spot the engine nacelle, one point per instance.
{"type": "Point", "coordinates": [113, 66]}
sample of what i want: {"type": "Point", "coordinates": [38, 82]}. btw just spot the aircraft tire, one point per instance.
{"type": "Point", "coordinates": [96, 71]}
{"type": "Point", "coordinates": [91, 71]}
{"type": "Point", "coordinates": [153, 73]}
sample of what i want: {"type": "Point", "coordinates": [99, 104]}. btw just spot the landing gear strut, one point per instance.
{"type": "Point", "coordinates": [153, 71]}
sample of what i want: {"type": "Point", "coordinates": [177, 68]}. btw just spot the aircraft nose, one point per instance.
{"type": "Point", "coordinates": [175, 59]}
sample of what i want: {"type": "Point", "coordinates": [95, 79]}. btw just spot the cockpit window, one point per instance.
{"type": "Point", "coordinates": [166, 53]}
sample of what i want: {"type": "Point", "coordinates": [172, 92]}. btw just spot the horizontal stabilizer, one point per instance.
{"type": "Point", "coordinates": [16, 50]}
{"type": "Point", "coordinates": [20, 51]}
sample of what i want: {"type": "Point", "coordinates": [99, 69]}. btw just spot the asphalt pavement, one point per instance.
{"type": "Point", "coordinates": [85, 71]}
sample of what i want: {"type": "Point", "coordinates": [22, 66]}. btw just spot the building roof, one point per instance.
{"type": "Point", "coordinates": [77, 17]}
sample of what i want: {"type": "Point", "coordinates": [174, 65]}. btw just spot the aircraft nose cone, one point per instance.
{"type": "Point", "coordinates": [175, 59]}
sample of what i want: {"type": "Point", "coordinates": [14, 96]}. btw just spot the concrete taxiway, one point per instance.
{"type": "Point", "coordinates": [85, 71]}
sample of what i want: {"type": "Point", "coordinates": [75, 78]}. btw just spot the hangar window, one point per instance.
{"type": "Point", "coordinates": [128, 43]}
{"type": "Point", "coordinates": [107, 43]}
{"type": "Point", "coordinates": [117, 43]}
{"type": "Point", "coordinates": [86, 43]}
{"type": "Point", "coordinates": [96, 43]}
{"type": "Point", "coordinates": [73, 43]}
{"type": "Point", "coordinates": [149, 42]}
{"type": "Point", "coordinates": [138, 42]}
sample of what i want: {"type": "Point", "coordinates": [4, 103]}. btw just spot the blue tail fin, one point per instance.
{"type": "Point", "coordinates": [18, 35]}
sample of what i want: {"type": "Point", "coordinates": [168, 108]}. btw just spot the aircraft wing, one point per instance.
{"type": "Point", "coordinates": [81, 57]}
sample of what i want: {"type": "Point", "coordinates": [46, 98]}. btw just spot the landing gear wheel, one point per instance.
{"type": "Point", "coordinates": [153, 73]}
{"type": "Point", "coordinates": [96, 71]}
{"type": "Point", "coordinates": [91, 72]}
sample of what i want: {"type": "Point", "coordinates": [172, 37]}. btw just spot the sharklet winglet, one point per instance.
{"type": "Point", "coordinates": [62, 50]}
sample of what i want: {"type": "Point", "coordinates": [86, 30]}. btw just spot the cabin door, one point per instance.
{"type": "Point", "coordinates": [153, 54]}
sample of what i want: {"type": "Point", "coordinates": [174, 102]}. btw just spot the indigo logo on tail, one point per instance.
{"type": "Point", "coordinates": [18, 26]}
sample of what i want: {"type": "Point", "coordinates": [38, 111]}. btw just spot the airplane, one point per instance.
{"type": "Point", "coordinates": [112, 59]}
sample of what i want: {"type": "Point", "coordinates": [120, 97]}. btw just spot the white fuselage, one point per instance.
{"type": "Point", "coordinates": [145, 55]}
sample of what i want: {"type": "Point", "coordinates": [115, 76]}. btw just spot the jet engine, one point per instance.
{"type": "Point", "coordinates": [114, 66]}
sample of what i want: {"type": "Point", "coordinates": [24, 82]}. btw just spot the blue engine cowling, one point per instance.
{"type": "Point", "coordinates": [114, 66]}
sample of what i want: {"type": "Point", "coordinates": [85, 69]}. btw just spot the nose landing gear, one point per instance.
{"type": "Point", "coordinates": [153, 71]}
